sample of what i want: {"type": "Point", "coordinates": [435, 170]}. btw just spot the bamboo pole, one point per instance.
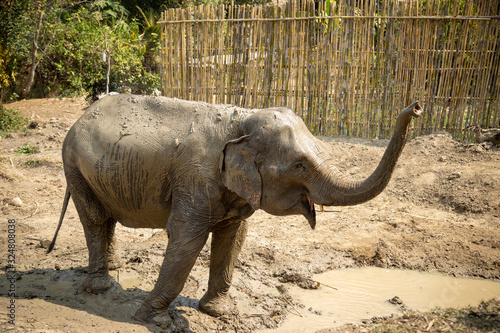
{"type": "Point", "coordinates": [349, 72]}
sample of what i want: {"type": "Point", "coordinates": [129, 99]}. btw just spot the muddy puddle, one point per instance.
{"type": "Point", "coordinates": [351, 295]}
{"type": "Point", "coordinates": [344, 296]}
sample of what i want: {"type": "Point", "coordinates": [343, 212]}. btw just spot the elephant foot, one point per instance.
{"type": "Point", "coordinates": [114, 263]}
{"type": "Point", "coordinates": [97, 284]}
{"type": "Point", "coordinates": [217, 306]}
{"type": "Point", "coordinates": [146, 314]}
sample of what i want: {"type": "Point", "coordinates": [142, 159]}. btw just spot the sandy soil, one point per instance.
{"type": "Point", "coordinates": [441, 212]}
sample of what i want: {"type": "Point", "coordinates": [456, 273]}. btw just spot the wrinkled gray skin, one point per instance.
{"type": "Point", "coordinates": [195, 168]}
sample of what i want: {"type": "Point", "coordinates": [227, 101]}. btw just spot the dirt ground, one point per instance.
{"type": "Point", "coordinates": [440, 212]}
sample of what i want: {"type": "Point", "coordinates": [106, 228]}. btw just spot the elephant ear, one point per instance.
{"type": "Point", "coordinates": [240, 173]}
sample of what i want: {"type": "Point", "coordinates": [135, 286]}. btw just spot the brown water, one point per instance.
{"type": "Point", "coordinates": [364, 293]}
{"type": "Point", "coordinates": [345, 296]}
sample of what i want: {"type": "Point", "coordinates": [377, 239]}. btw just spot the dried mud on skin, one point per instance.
{"type": "Point", "coordinates": [440, 212]}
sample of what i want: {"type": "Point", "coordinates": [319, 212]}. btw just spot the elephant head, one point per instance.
{"type": "Point", "coordinates": [278, 165]}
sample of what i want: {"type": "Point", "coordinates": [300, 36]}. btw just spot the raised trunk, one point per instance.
{"type": "Point", "coordinates": [336, 190]}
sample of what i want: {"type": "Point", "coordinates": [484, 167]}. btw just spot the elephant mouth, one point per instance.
{"type": "Point", "coordinates": [310, 212]}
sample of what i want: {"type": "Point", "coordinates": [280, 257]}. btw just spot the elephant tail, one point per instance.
{"type": "Point", "coordinates": [65, 205]}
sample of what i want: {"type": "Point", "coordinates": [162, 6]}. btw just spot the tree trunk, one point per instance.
{"type": "Point", "coordinates": [34, 61]}
{"type": "Point", "coordinates": [108, 70]}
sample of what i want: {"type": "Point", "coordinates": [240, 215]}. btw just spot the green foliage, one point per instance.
{"type": "Point", "coordinates": [15, 28]}
{"type": "Point", "coordinates": [71, 43]}
{"type": "Point", "coordinates": [109, 9]}
{"type": "Point", "coordinates": [28, 150]}
{"type": "Point", "coordinates": [11, 120]}
{"type": "Point", "coordinates": [4, 76]}
{"type": "Point", "coordinates": [133, 7]}
{"type": "Point", "coordinates": [150, 39]}
{"type": "Point", "coordinates": [31, 163]}
{"type": "Point", "coordinates": [72, 39]}
{"type": "Point", "coordinates": [148, 83]}
{"type": "Point", "coordinates": [78, 63]}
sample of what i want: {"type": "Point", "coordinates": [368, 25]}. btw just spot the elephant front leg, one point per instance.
{"type": "Point", "coordinates": [182, 251]}
{"type": "Point", "coordinates": [226, 246]}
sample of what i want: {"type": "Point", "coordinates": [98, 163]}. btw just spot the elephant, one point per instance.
{"type": "Point", "coordinates": [193, 169]}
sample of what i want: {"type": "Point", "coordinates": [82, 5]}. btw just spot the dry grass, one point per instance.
{"type": "Point", "coordinates": [483, 318]}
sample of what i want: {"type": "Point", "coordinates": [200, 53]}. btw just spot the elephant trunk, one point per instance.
{"type": "Point", "coordinates": [337, 190]}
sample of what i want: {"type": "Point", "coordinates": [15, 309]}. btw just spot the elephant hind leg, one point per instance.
{"type": "Point", "coordinates": [113, 261]}
{"type": "Point", "coordinates": [99, 226]}
{"type": "Point", "coordinates": [226, 246]}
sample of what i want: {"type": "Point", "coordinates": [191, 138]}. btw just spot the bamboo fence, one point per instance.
{"type": "Point", "coordinates": [348, 69]}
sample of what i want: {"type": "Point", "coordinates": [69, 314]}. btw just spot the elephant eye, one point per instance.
{"type": "Point", "coordinates": [299, 166]}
